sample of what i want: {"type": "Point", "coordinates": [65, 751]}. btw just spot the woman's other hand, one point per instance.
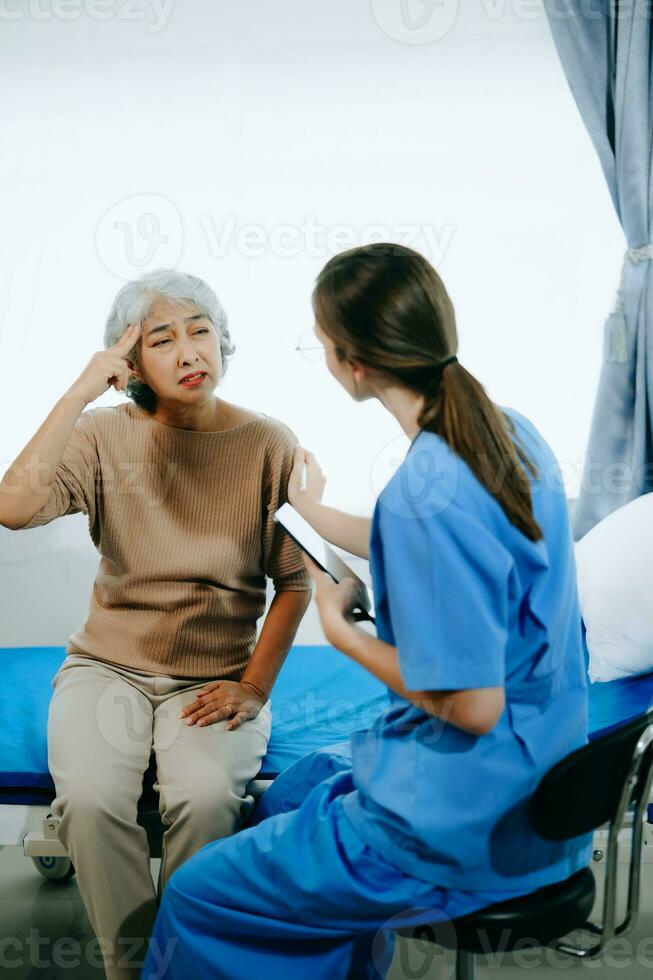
{"type": "Point", "coordinates": [228, 701]}
{"type": "Point", "coordinates": [300, 497]}
{"type": "Point", "coordinates": [335, 602]}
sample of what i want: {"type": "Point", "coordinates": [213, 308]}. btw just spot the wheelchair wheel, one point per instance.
{"type": "Point", "coordinates": [54, 868]}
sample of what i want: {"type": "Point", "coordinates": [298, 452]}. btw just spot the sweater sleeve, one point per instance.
{"type": "Point", "coordinates": [282, 559]}
{"type": "Point", "coordinates": [76, 477]}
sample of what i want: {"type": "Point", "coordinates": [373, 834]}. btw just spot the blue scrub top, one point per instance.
{"type": "Point", "coordinates": [469, 601]}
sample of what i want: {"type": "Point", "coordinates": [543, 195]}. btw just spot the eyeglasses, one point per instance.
{"type": "Point", "coordinates": [308, 348]}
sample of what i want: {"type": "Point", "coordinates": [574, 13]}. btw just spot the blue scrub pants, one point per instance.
{"type": "Point", "coordinates": [299, 895]}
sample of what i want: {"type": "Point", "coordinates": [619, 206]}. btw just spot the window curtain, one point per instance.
{"type": "Point", "coordinates": [605, 47]}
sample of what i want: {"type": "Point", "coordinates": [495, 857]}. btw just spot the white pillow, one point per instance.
{"type": "Point", "coordinates": [615, 583]}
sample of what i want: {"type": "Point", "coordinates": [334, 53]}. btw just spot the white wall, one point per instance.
{"type": "Point", "coordinates": [212, 121]}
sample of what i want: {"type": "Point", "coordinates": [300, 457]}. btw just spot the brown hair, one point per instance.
{"type": "Point", "coordinates": [386, 307]}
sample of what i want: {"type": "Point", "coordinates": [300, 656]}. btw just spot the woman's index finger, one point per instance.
{"type": "Point", "coordinates": [129, 338]}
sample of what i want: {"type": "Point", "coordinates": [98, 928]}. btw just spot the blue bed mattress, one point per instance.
{"type": "Point", "coordinates": [613, 703]}
{"type": "Point", "coordinates": [320, 697]}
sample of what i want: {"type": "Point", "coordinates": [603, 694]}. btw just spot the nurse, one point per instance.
{"type": "Point", "coordinates": [478, 640]}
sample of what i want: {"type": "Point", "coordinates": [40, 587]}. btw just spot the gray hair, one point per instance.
{"type": "Point", "coordinates": [134, 301]}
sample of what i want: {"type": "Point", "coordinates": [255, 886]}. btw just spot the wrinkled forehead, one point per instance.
{"type": "Point", "coordinates": [163, 309]}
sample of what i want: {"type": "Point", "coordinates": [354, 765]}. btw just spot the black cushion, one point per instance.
{"type": "Point", "coordinates": [540, 917]}
{"type": "Point", "coordinates": [148, 810]}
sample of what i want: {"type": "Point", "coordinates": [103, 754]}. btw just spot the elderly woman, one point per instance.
{"type": "Point", "coordinates": [180, 488]}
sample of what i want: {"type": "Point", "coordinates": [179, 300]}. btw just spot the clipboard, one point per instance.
{"type": "Point", "coordinates": [307, 538]}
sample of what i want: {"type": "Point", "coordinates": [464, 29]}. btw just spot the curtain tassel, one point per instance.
{"type": "Point", "coordinates": [616, 330]}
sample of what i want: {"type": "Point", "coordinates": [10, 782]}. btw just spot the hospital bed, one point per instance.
{"type": "Point", "coordinates": [319, 699]}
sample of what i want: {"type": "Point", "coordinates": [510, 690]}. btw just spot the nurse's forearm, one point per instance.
{"type": "Point", "coordinates": [346, 531]}
{"type": "Point", "coordinates": [474, 710]}
{"type": "Point", "coordinates": [275, 639]}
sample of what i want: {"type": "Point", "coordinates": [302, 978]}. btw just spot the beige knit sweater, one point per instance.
{"type": "Point", "coordinates": [183, 521]}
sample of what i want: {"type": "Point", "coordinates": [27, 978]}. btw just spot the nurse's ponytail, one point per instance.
{"type": "Point", "coordinates": [461, 412]}
{"type": "Point", "coordinates": [385, 307]}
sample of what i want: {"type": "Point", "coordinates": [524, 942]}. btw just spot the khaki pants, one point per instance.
{"type": "Point", "coordinates": [104, 722]}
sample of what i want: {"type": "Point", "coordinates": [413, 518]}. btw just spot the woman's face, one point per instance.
{"type": "Point", "coordinates": [176, 340]}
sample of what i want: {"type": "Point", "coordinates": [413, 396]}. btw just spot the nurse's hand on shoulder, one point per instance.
{"type": "Point", "coordinates": [335, 602]}
{"type": "Point", "coordinates": [313, 488]}
{"type": "Point", "coordinates": [224, 701]}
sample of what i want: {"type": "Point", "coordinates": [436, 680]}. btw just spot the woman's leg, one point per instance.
{"type": "Point", "coordinates": [99, 738]}
{"type": "Point", "coordinates": [202, 774]}
{"type": "Point", "coordinates": [298, 896]}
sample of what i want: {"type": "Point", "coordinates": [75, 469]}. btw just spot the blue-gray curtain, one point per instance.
{"type": "Point", "coordinates": [606, 50]}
